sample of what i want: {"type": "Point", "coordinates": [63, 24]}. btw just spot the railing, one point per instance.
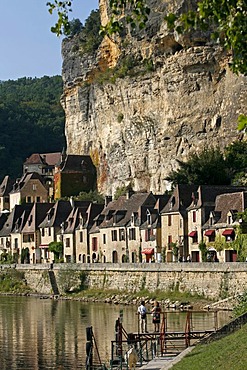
{"type": "Point", "coordinates": [178, 331]}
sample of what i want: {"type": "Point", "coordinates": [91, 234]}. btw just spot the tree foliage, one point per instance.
{"type": "Point", "coordinates": [31, 120]}
{"type": "Point", "coordinates": [212, 167]}
{"type": "Point", "coordinates": [208, 168]}
{"type": "Point", "coordinates": [225, 19]}
{"type": "Point", "coordinates": [227, 22]}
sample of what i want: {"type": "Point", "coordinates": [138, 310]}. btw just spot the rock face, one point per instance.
{"type": "Point", "coordinates": [176, 95]}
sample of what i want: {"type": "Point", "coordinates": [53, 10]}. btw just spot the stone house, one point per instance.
{"type": "Point", "coordinates": [75, 174]}
{"type": "Point", "coordinates": [150, 231]}
{"type": "Point", "coordinates": [68, 229]}
{"type": "Point", "coordinates": [29, 189]}
{"type": "Point", "coordinates": [5, 188]}
{"type": "Point", "coordinates": [10, 233]}
{"type": "Point", "coordinates": [203, 202]}
{"type": "Point", "coordinates": [174, 223]}
{"type": "Point", "coordinates": [31, 238]}
{"type": "Point", "coordinates": [222, 224]}
{"type": "Point", "coordinates": [44, 164]}
{"type": "Point", "coordinates": [84, 253]}
{"type": "Point", "coordinates": [50, 228]}
{"type": "Point", "coordinates": [115, 236]}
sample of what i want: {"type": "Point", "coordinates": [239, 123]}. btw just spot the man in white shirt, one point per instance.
{"type": "Point", "coordinates": [142, 311]}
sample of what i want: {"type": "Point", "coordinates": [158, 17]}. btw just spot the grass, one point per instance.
{"type": "Point", "coordinates": [12, 281]}
{"type": "Point", "coordinates": [227, 353]}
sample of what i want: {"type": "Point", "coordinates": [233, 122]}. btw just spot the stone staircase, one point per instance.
{"type": "Point", "coordinates": [53, 283]}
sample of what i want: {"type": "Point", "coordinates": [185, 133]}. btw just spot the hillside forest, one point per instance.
{"type": "Point", "coordinates": [31, 121]}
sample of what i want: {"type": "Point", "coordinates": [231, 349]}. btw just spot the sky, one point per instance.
{"type": "Point", "coordinates": [27, 46]}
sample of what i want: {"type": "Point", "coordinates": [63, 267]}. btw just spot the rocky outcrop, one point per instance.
{"type": "Point", "coordinates": [168, 96]}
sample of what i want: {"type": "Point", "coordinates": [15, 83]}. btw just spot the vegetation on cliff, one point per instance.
{"type": "Point", "coordinates": [212, 167]}
{"type": "Point", "coordinates": [31, 120]}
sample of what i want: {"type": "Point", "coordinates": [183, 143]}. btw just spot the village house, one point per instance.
{"type": "Point", "coordinates": [174, 223]}
{"type": "Point", "coordinates": [115, 236]}
{"type": "Point", "coordinates": [31, 238]}
{"type": "Point", "coordinates": [203, 202]}
{"type": "Point", "coordinates": [29, 189]}
{"type": "Point", "coordinates": [150, 230]}
{"type": "Point", "coordinates": [75, 174]}
{"type": "Point", "coordinates": [84, 253]}
{"type": "Point", "coordinates": [50, 228]}
{"type": "Point", "coordinates": [222, 226]}
{"type": "Point", "coordinates": [68, 229]}
{"type": "Point", "coordinates": [10, 233]}
{"type": "Point", "coordinates": [44, 165]}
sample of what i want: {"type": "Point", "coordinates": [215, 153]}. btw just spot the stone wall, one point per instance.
{"type": "Point", "coordinates": [212, 280]}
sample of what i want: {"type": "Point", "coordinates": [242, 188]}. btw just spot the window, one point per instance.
{"type": "Point", "coordinates": [38, 199]}
{"type": "Point", "coordinates": [81, 236]}
{"type": "Point", "coordinates": [29, 199]}
{"type": "Point", "coordinates": [194, 216]}
{"type": "Point", "coordinates": [169, 220]}
{"type": "Point", "coordinates": [16, 243]}
{"type": "Point", "coordinates": [94, 244]}
{"type": "Point", "coordinates": [132, 234]}
{"type": "Point", "coordinates": [49, 231]}
{"type": "Point", "coordinates": [43, 232]}
{"type": "Point", "coordinates": [148, 234]}
{"type": "Point", "coordinates": [169, 242]}
{"type": "Point", "coordinates": [67, 242]}
{"type": "Point", "coordinates": [149, 219]}
{"type": "Point", "coordinates": [229, 220]}
{"type": "Point", "coordinates": [121, 234]}
{"type": "Point", "coordinates": [104, 238]}
{"type": "Point", "coordinates": [34, 187]}
{"type": "Point", "coordinates": [114, 235]}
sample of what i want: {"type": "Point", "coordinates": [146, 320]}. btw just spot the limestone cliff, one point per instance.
{"type": "Point", "coordinates": [176, 95]}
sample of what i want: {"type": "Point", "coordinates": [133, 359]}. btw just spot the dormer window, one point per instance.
{"type": "Point", "coordinates": [172, 202]}
{"type": "Point", "coordinates": [149, 218]}
{"type": "Point", "coordinates": [132, 219]}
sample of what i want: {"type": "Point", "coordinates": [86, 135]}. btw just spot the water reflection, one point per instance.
{"type": "Point", "coordinates": [41, 334]}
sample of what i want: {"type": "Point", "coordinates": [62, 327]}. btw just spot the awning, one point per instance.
{"type": "Point", "coordinates": [44, 246]}
{"type": "Point", "coordinates": [209, 232]}
{"type": "Point", "coordinates": [228, 232]}
{"type": "Point", "coordinates": [192, 234]}
{"type": "Point", "coordinates": [148, 251]}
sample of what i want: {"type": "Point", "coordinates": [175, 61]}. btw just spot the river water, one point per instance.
{"type": "Point", "coordinates": [42, 334]}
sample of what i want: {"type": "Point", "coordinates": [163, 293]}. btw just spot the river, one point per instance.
{"type": "Point", "coordinates": [42, 334]}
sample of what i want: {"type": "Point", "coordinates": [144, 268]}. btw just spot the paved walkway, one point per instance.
{"type": "Point", "coordinates": [165, 363]}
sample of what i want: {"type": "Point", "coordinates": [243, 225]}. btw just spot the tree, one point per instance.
{"type": "Point", "coordinates": [75, 27]}
{"type": "Point", "coordinates": [226, 19]}
{"type": "Point", "coordinates": [206, 168]}
{"type": "Point", "coordinates": [57, 249]}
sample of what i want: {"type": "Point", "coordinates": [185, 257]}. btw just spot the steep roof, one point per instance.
{"type": "Point", "coordinates": [25, 179]}
{"type": "Point", "coordinates": [205, 195]}
{"type": "Point", "coordinates": [119, 212]}
{"type": "Point", "coordinates": [6, 186]}
{"type": "Point", "coordinates": [235, 202]}
{"type": "Point", "coordinates": [77, 163]}
{"type": "Point", "coordinates": [57, 214]}
{"type": "Point", "coordinates": [180, 199]}
{"type": "Point", "coordinates": [50, 159]}
{"type": "Point", "coordinates": [19, 213]}
{"type": "Point", "coordinates": [36, 216]}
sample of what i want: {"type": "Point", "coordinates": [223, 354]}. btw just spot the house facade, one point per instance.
{"type": "Point", "coordinates": [174, 223]}
{"type": "Point", "coordinates": [203, 203]}
{"type": "Point", "coordinates": [29, 189]}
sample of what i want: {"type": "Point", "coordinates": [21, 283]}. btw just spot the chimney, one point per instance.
{"type": "Point", "coordinates": [108, 199]}
{"type": "Point", "coordinates": [129, 193]}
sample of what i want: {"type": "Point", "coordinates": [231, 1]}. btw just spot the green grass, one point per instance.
{"type": "Point", "coordinates": [228, 353]}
